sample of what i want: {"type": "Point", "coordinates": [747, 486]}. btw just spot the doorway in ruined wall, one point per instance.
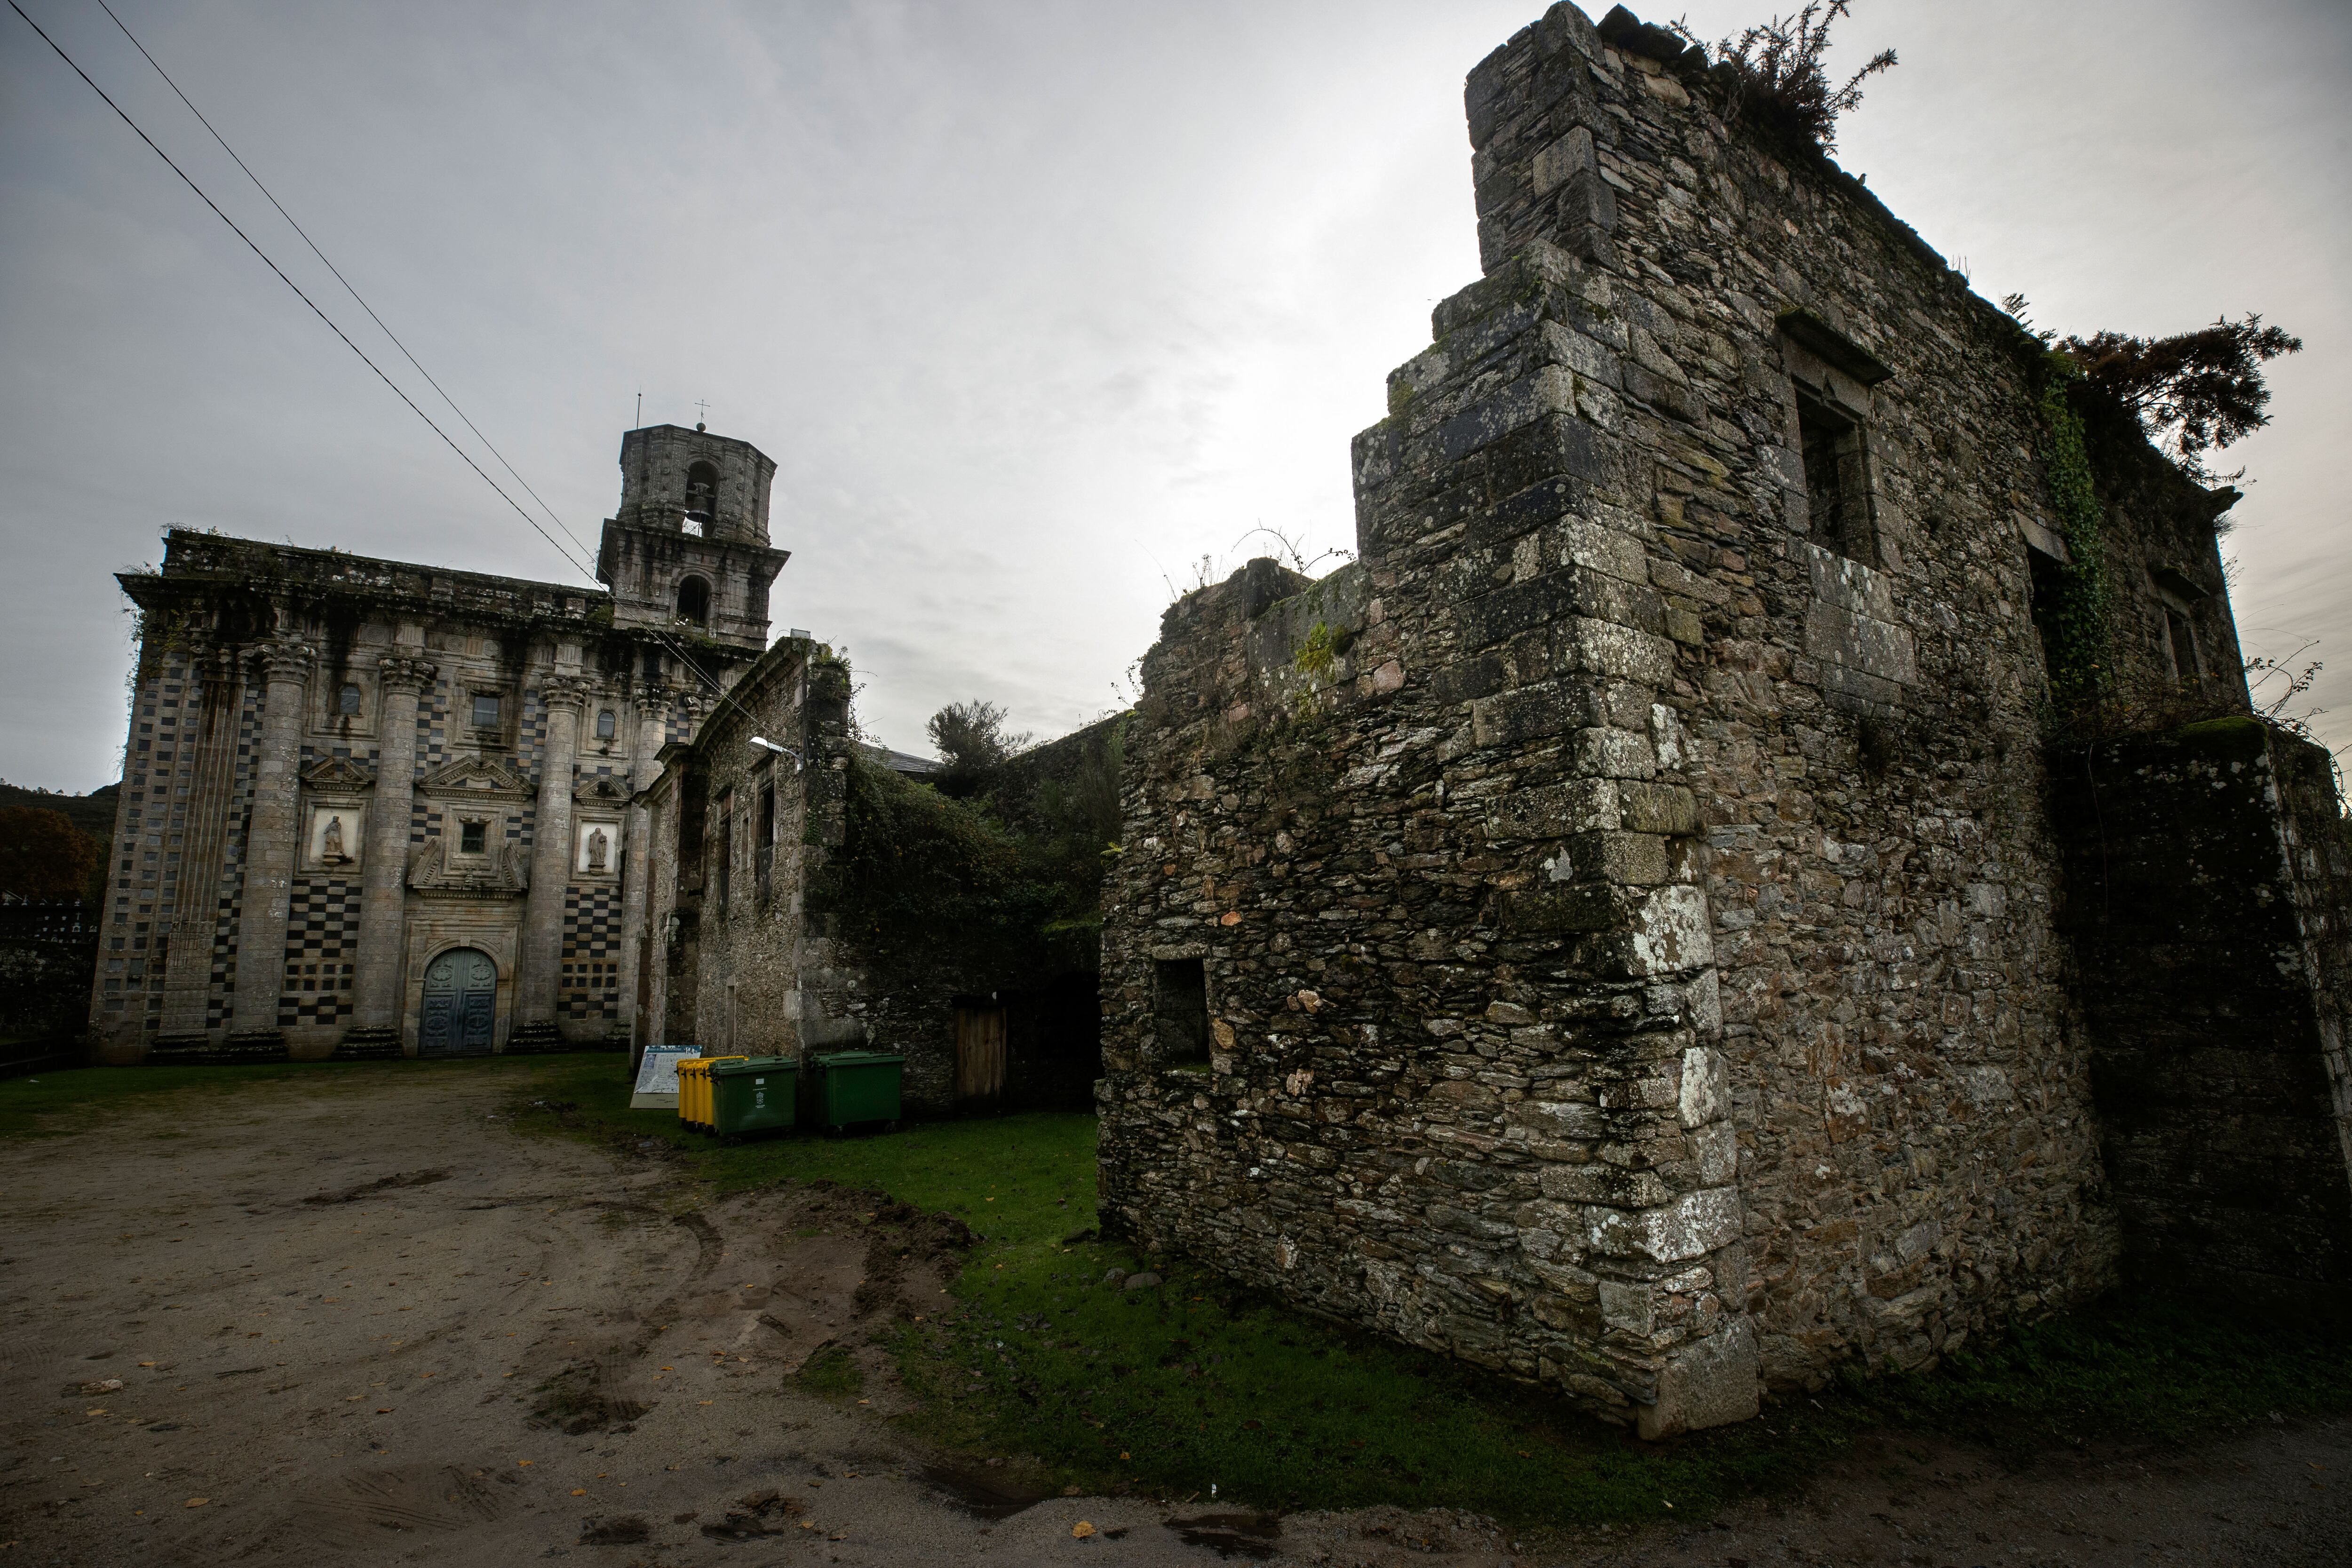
{"type": "Point", "coordinates": [979, 1055]}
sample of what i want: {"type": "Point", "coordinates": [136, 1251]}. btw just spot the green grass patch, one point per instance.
{"type": "Point", "coordinates": [1201, 1382]}
{"type": "Point", "coordinates": [56, 1104]}
{"type": "Point", "coordinates": [832, 1373]}
{"type": "Point", "coordinates": [1011, 1179]}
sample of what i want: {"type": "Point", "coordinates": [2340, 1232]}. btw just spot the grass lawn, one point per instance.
{"type": "Point", "coordinates": [1202, 1383]}
{"type": "Point", "coordinates": [53, 1104]}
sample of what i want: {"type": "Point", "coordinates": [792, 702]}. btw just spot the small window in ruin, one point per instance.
{"type": "Point", "coordinates": [1837, 481]}
{"type": "Point", "coordinates": [473, 837]}
{"type": "Point", "coordinates": [349, 702]}
{"type": "Point", "coordinates": [1179, 1010]}
{"type": "Point", "coordinates": [606, 724]}
{"type": "Point", "coordinates": [2180, 643]}
{"type": "Point", "coordinates": [763, 850]}
{"type": "Point", "coordinates": [486, 709]}
{"type": "Point", "coordinates": [652, 666]}
{"type": "Point", "coordinates": [726, 846]}
{"type": "Point", "coordinates": [2048, 589]}
{"type": "Point", "coordinates": [694, 601]}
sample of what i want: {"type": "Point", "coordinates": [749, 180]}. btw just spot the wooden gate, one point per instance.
{"type": "Point", "coordinates": [980, 1053]}
{"type": "Point", "coordinates": [461, 1000]}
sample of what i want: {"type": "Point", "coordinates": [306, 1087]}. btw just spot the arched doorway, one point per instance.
{"type": "Point", "coordinates": [461, 1003]}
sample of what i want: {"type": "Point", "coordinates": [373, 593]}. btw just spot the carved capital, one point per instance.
{"type": "Point", "coordinates": [286, 659]}
{"type": "Point", "coordinates": [411, 675]}
{"type": "Point", "coordinates": [567, 691]}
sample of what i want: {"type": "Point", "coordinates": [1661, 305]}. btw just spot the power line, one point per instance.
{"type": "Point", "coordinates": [184, 179]}
{"type": "Point", "coordinates": [338, 271]}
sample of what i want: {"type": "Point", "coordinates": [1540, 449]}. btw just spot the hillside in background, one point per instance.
{"type": "Point", "coordinates": [92, 813]}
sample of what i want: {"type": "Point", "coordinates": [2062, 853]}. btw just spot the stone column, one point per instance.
{"type": "Point", "coordinates": [636, 856]}
{"type": "Point", "coordinates": [270, 834]}
{"type": "Point", "coordinates": [195, 913]}
{"type": "Point", "coordinates": [550, 857]}
{"type": "Point", "coordinates": [384, 885]}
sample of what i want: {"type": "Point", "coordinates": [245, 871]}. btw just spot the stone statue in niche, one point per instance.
{"type": "Point", "coordinates": [331, 847]}
{"type": "Point", "coordinates": [598, 846]}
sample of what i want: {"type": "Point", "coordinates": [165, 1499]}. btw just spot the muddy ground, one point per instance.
{"type": "Point", "coordinates": [359, 1320]}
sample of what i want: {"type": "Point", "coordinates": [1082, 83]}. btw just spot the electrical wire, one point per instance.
{"type": "Point", "coordinates": [675, 644]}
{"type": "Point", "coordinates": [346, 283]}
{"type": "Point", "coordinates": [463, 456]}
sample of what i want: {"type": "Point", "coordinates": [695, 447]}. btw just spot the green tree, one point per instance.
{"type": "Point", "coordinates": [44, 855]}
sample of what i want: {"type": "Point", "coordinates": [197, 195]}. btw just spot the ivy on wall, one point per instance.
{"type": "Point", "coordinates": [2080, 622]}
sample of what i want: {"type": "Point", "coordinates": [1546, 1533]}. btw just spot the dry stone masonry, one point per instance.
{"type": "Point", "coordinates": [1610, 933]}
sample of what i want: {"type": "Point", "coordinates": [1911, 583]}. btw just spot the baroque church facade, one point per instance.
{"type": "Point", "coordinates": [371, 807]}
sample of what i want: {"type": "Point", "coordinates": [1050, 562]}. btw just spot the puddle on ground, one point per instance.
{"type": "Point", "coordinates": [981, 1494]}
{"type": "Point", "coordinates": [1231, 1534]}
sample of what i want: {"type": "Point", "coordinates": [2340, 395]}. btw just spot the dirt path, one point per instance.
{"type": "Point", "coordinates": [364, 1324]}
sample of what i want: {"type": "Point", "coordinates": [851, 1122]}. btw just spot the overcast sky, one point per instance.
{"type": "Point", "coordinates": [1034, 303]}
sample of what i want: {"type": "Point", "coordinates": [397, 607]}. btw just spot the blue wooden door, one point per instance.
{"type": "Point", "coordinates": [461, 998]}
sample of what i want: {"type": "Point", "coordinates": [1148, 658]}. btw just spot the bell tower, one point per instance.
{"type": "Point", "coordinates": [688, 548]}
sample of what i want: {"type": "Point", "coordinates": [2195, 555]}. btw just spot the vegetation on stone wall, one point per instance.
{"type": "Point", "coordinates": [2080, 621]}
{"type": "Point", "coordinates": [1775, 77]}
{"type": "Point", "coordinates": [1007, 878]}
{"type": "Point", "coordinates": [2193, 392]}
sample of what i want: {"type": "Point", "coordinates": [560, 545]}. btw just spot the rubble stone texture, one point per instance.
{"type": "Point", "coordinates": [1622, 902]}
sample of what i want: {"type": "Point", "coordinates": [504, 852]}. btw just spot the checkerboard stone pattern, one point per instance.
{"type": "Point", "coordinates": [321, 949]}
{"type": "Point", "coordinates": [589, 983]}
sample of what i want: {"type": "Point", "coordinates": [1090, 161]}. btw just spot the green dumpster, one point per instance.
{"type": "Point", "coordinates": [857, 1086]}
{"type": "Point", "coordinates": [752, 1095]}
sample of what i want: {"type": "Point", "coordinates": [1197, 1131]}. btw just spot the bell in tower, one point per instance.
{"type": "Point", "coordinates": [687, 548]}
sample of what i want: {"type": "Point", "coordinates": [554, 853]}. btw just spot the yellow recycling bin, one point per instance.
{"type": "Point", "coordinates": [694, 1107]}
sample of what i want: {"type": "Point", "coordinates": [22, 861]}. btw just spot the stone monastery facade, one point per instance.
{"type": "Point", "coordinates": [1629, 929]}
{"type": "Point", "coordinates": [374, 808]}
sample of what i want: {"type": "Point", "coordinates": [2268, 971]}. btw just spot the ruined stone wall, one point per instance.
{"type": "Point", "coordinates": [1625, 897]}
{"type": "Point", "coordinates": [754, 969]}
{"type": "Point", "coordinates": [2208, 881]}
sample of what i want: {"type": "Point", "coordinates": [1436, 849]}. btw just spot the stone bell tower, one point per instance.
{"type": "Point", "coordinates": [687, 550]}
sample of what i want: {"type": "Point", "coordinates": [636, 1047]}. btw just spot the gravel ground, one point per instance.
{"type": "Point", "coordinates": [357, 1320]}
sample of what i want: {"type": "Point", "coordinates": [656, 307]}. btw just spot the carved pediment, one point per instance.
{"type": "Point", "coordinates": [603, 790]}
{"type": "Point", "coordinates": [338, 774]}
{"type": "Point", "coordinates": [475, 775]}
{"type": "Point", "coordinates": [503, 873]}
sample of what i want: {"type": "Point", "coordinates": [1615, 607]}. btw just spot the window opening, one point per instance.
{"type": "Point", "coordinates": [350, 701]}
{"type": "Point", "coordinates": [694, 601]}
{"type": "Point", "coordinates": [765, 850]}
{"type": "Point", "coordinates": [486, 711]}
{"type": "Point", "coordinates": [2048, 586]}
{"type": "Point", "coordinates": [473, 837]}
{"type": "Point", "coordinates": [726, 847]}
{"type": "Point", "coordinates": [701, 495]}
{"type": "Point", "coordinates": [606, 724]}
{"type": "Point", "coordinates": [2180, 639]}
{"type": "Point", "coordinates": [1837, 482]}
{"type": "Point", "coordinates": [1180, 1008]}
